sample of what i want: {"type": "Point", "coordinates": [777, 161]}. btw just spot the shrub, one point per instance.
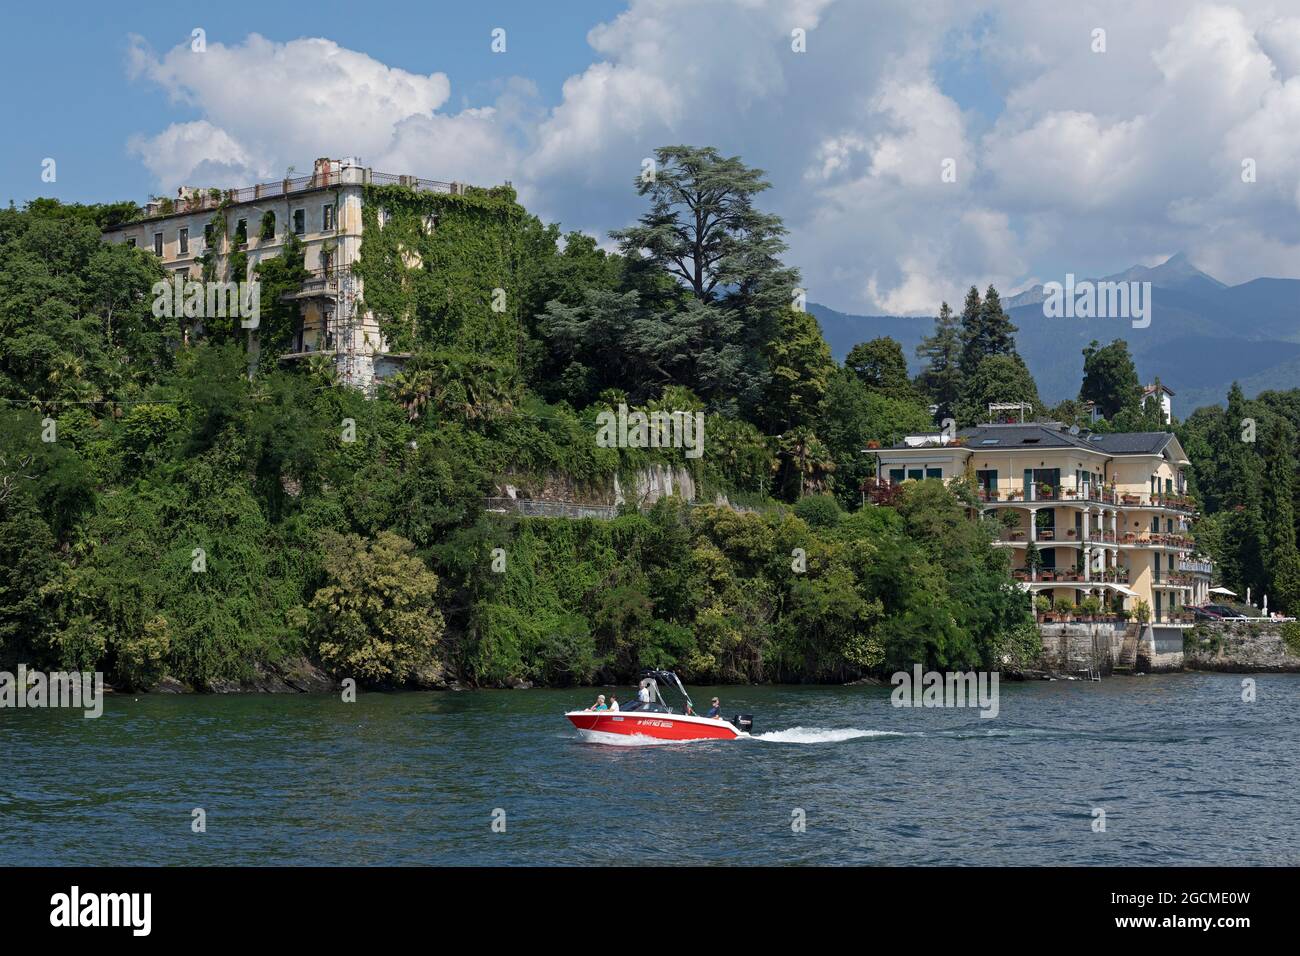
{"type": "Point", "coordinates": [376, 618]}
{"type": "Point", "coordinates": [819, 511]}
{"type": "Point", "coordinates": [1291, 636]}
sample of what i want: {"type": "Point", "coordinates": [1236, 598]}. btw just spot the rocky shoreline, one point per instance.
{"type": "Point", "coordinates": [1224, 648]}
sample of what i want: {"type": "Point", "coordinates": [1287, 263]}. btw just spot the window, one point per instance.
{"type": "Point", "coordinates": [327, 217]}
{"type": "Point", "coordinates": [241, 231]}
{"type": "Point", "coordinates": [268, 225]}
{"type": "Point", "coordinates": [207, 236]}
{"type": "Point", "coordinates": [157, 244]}
{"type": "Point", "coordinates": [915, 474]}
{"type": "Point", "coordinates": [986, 480]}
{"type": "Point", "coordinates": [896, 476]}
{"type": "Point", "coordinates": [130, 243]}
{"type": "Point", "coordinates": [183, 236]}
{"type": "Point", "coordinates": [934, 473]}
{"type": "Point", "coordinates": [299, 222]}
{"type": "Point", "coordinates": [326, 262]}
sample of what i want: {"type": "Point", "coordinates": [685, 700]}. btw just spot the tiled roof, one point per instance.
{"type": "Point", "coordinates": [1033, 434]}
{"type": "Point", "coordinates": [1054, 435]}
{"type": "Point", "coordinates": [1132, 443]}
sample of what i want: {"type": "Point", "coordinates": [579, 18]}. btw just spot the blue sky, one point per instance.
{"type": "Point", "coordinates": [82, 113]}
{"type": "Point", "coordinates": [1069, 159]}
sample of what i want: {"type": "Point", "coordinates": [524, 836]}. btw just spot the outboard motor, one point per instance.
{"type": "Point", "coordinates": [744, 723]}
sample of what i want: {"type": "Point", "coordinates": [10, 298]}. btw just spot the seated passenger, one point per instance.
{"type": "Point", "coordinates": [599, 704]}
{"type": "Point", "coordinates": [613, 702]}
{"type": "Point", "coordinates": [715, 711]}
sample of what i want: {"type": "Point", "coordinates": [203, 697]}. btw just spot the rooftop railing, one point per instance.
{"type": "Point", "coordinates": [205, 199]}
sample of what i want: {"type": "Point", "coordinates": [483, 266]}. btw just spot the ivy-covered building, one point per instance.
{"type": "Point", "coordinates": [384, 259]}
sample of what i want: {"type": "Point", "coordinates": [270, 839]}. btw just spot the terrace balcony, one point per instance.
{"type": "Point", "coordinates": [1087, 494]}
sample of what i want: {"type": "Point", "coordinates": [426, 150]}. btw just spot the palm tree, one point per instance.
{"type": "Point", "coordinates": [810, 458]}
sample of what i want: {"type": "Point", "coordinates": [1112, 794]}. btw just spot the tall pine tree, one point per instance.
{"type": "Point", "coordinates": [985, 330]}
{"type": "Point", "coordinates": [940, 379]}
{"type": "Point", "coordinates": [1283, 560]}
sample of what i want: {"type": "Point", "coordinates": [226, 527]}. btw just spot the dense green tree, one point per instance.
{"type": "Point", "coordinates": [376, 617]}
{"type": "Point", "coordinates": [1279, 546]}
{"type": "Point", "coordinates": [882, 369]}
{"type": "Point", "coordinates": [941, 351]}
{"type": "Point", "coordinates": [1110, 379]}
{"type": "Point", "coordinates": [999, 378]}
{"type": "Point", "coordinates": [986, 331]}
{"type": "Point", "coordinates": [800, 367]}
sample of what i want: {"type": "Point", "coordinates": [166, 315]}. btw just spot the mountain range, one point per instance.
{"type": "Point", "coordinates": [1203, 336]}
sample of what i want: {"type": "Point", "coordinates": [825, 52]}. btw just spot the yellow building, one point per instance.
{"type": "Point", "coordinates": [1107, 514]}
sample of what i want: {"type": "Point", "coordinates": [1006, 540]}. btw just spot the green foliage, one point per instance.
{"type": "Point", "coordinates": [986, 331]}
{"type": "Point", "coordinates": [818, 511]}
{"type": "Point", "coordinates": [376, 618]}
{"type": "Point", "coordinates": [1291, 636]}
{"type": "Point", "coordinates": [999, 378]}
{"type": "Point", "coordinates": [1110, 379]}
{"type": "Point", "coordinates": [880, 365]}
{"type": "Point", "coordinates": [941, 378]}
{"type": "Point", "coordinates": [199, 519]}
{"type": "Point", "coordinates": [448, 271]}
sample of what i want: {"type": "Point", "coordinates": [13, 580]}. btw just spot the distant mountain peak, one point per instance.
{"type": "Point", "coordinates": [1176, 272]}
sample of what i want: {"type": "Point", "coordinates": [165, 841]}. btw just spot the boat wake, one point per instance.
{"type": "Point", "coordinates": [823, 735]}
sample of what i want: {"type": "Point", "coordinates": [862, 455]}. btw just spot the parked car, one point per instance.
{"type": "Point", "coordinates": [1204, 614]}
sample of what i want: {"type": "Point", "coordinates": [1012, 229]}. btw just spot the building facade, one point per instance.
{"type": "Point", "coordinates": [1101, 514]}
{"type": "Point", "coordinates": [323, 211]}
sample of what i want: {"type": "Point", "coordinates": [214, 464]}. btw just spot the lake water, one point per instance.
{"type": "Point", "coordinates": [1186, 772]}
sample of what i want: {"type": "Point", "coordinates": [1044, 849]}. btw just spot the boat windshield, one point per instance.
{"type": "Point", "coordinates": [653, 707]}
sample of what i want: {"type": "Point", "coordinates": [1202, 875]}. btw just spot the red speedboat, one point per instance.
{"type": "Point", "coordinates": [653, 722]}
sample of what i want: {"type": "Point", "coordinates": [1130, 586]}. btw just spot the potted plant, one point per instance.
{"type": "Point", "coordinates": [1033, 560]}
{"type": "Point", "coordinates": [1042, 606]}
{"type": "Point", "coordinates": [1091, 606]}
{"type": "Point", "coordinates": [1142, 611]}
{"type": "Point", "coordinates": [1064, 607]}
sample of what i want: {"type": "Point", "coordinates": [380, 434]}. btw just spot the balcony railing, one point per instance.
{"type": "Point", "coordinates": [1041, 491]}
{"type": "Point", "coordinates": [1070, 576]}
{"type": "Point", "coordinates": [204, 199]}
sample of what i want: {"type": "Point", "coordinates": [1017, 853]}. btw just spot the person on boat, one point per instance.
{"type": "Point", "coordinates": [690, 711]}
{"type": "Point", "coordinates": [643, 695]}
{"type": "Point", "coordinates": [715, 711]}
{"type": "Point", "coordinates": [613, 702]}
{"type": "Point", "coordinates": [599, 704]}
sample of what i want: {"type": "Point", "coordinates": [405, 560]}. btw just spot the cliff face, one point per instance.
{"type": "Point", "coordinates": [646, 486]}
{"type": "Point", "coordinates": [1234, 646]}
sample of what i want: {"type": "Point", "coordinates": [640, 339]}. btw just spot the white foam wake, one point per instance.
{"type": "Point", "coordinates": [822, 735]}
